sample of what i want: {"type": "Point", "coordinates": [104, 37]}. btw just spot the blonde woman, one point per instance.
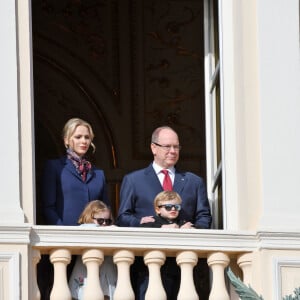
{"type": "Point", "coordinates": [71, 181]}
{"type": "Point", "coordinates": [68, 184]}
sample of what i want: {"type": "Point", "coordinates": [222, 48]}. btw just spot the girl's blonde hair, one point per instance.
{"type": "Point", "coordinates": [165, 196]}
{"type": "Point", "coordinates": [90, 210]}
{"type": "Point", "coordinates": [71, 126]}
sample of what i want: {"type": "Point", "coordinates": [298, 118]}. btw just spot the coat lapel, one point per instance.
{"type": "Point", "coordinates": [179, 181]}
{"type": "Point", "coordinates": [71, 168]}
{"type": "Point", "coordinates": [90, 175]}
{"type": "Point", "coordinates": [152, 178]}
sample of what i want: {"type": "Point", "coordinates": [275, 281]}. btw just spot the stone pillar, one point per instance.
{"type": "Point", "coordinates": [154, 260]}
{"type": "Point", "coordinates": [245, 263]}
{"type": "Point", "coordinates": [218, 261]}
{"type": "Point", "coordinates": [60, 258]}
{"type": "Point", "coordinates": [123, 259]}
{"type": "Point", "coordinates": [187, 261]}
{"type": "Point", "coordinates": [92, 258]}
{"type": "Point", "coordinates": [35, 292]}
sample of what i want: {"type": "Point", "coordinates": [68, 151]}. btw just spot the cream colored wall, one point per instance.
{"type": "Point", "coordinates": [14, 271]}
{"type": "Point", "coordinates": [11, 210]}
{"type": "Point", "coordinates": [260, 87]}
{"type": "Point", "coordinates": [247, 115]}
{"type": "Point", "coordinates": [26, 110]}
{"type": "Point", "coordinates": [17, 182]}
{"type": "Point", "coordinates": [276, 273]}
{"type": "Point", "coordinates": [279, 73]}
{"type": "Point", "coordinates": [241, 114]}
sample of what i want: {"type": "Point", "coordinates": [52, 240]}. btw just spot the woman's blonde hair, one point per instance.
{"type": "Point", "coordinates": [165, 196]}
{"type": "Point", "coordinates": [71, 126]}
{"type": "Point", "coordinates": [90, 210]}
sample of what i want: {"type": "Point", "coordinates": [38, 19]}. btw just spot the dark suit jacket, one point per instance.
{"type": "Point", "coordinates": [140, 187]}
{"type": "Point", "coordinates": [64, 194]}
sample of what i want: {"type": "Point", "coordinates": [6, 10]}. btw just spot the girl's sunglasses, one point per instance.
{"type": "Point", "coordinates": [169, 207]}
{"type": "Point", "coordinates": [102, 221]}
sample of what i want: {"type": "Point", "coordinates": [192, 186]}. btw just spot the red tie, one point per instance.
{"type": "Point", "coordinates": [167, 183]}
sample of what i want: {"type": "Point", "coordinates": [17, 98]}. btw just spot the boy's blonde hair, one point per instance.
{"type": "Point", "coordinates": [90, 210]}
{"type": "Point", "coordinates": [165, 196]}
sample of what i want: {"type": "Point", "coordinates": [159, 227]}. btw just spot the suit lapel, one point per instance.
{"type": "Point", "coordinates": [179, 181]}
{"type": "Point", "coordinates": [152, 178]}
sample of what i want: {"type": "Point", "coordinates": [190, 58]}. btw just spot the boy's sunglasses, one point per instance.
{"type": "Point", "coordinates": [101, 221]}
{"type": "Point", "coordinates": [169, 207]}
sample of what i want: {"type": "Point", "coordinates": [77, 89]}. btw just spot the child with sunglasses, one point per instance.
{"type": "Point", "coordinates": [96, 213]}
{"type": "Point", "coordinates": [167, 205]}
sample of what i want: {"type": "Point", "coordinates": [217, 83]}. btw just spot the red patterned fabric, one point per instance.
{"type": "Point", "coordinates": [82, 165]}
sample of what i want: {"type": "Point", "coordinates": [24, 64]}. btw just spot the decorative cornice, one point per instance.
{"type": "Point", "coordinates": [284, 240]}
{"type": "Point", "coordinates": [15, 234]}
{"type": "Point", "coordinates": [203, 241]}
{"type": "Point", "coordinates": [144, 238]}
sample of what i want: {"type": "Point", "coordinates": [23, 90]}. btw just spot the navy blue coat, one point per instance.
{"type": "Point", "coordinates": [140, 187]}
{"type": "Point", "coordinates": [64, 194]}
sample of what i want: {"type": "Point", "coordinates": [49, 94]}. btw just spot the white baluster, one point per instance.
{"type": "Point", "coordinates": [92, 258]}
{"type": "Point", "coordinates": [123, 259]}
{"type": "Point", "coordinates": [36, 257]}
{"type": "Point", "coordinates": [60, 258]}
{"type": "Point", "coordinates": [245, 263]}
{"type": "Point", "coordinates": [154, 260]}
{"type": "Point", "coordinates": [218, 262]}
{"type": "Point", "coordinates": [187, 260]}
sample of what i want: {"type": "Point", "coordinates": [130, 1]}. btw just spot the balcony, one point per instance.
{"type": "Point", "coordinates": [219, 248]}
{"type": "Point", "coordinates": [267, 260]}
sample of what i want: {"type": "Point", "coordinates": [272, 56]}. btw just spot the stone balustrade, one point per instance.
{"type": "Point", "coordinates": [124, 244]}
{"type": "Point", "coordinates": [255, 257]}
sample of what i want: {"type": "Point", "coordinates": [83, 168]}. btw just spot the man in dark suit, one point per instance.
{"type": "Point", "coordinates": [140, 187]}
